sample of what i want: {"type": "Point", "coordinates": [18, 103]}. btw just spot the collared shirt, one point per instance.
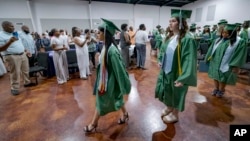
{"type": "Point", "coordinates": [28, 42]}
{"type": "Point", "coordinates": [15, 48]}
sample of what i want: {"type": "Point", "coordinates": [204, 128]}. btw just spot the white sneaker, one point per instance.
{"type": "Point", "coordinates": [170, 118]}
{"type": "Point", "coordinates": [166, 111]}
{"type": "Point", "coordinates": [61, 82]}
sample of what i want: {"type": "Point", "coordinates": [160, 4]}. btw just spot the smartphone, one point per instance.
{"type": "Point", "coordinates": [15, 34]}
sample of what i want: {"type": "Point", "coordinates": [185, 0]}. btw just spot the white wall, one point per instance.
{"type": "Point", "coordinates": [117, 12]}
{"type": "Point", "coordinates": [45, 13]}
{"type": "Point", "coordinates": [232, 10]}
{"type": "Point", "coordinates": [13, 9]}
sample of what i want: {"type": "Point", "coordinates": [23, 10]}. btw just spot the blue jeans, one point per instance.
{"type": "Point", "coordinates": [141, 54]}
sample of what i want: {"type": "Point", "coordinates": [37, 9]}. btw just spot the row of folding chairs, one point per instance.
{"type": "Point", "coordinates": [42, 64]}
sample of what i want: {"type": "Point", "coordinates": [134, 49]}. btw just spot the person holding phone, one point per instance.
{"type": "Point", "coordinates": [13, 53]}
{"type": "Point", "coordinates": [91, 46]}
{"type": "Point", "coordinates": [82, 52]}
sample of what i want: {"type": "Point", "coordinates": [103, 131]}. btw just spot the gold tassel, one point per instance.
{"type": "Point", "coordinates": [179, 58]}
{"type": "Point", "coordinates": [209, 58]}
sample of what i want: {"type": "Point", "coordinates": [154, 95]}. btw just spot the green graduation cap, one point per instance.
{"type": "Point", "coordinates": [222, 21]}
{"type": "Point", "coordinates": [109, 26]}
{"type": "Point", "coordinates": [230, 26]}
{"type": "Point", "coordinates": [193, 24]}
{"type": "Point", "coordinates": [238, 24]}
{"type": "Point", "coordinates": [186, 14]}
{"type": "Point", "coordinates": [158, 26]}
{"type": "Point", "coordinates": [192, 27]}
{"type": "Point", "coordinates": [206, 26]}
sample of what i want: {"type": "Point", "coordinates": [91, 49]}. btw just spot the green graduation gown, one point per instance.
{"type": "Point", "coordinates": [165, 90]}
{"type": "Point", "coordinates": [214, 35]}
{"type": "Point", "coordinates": [158, 39]}
{"type": "Point", "coordinates": [118, 84]}
{"type": "Point", "coordinates": [237, 59]}
{"type": "Point", "coordinates": [215, 59]}
{"type": "Point", "coordinates": [244, 35]}
{"type": "Point", "coordinates": [155, 32]}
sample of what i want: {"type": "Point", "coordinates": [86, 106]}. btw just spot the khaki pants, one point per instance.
{"type": "Point", "coordinates": [18, 65]}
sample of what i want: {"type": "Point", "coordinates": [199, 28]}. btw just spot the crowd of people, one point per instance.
{"type": "Point", "coordinates": [177, 58]}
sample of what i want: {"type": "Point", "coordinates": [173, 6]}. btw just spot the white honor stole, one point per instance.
{"type": "Point", "coordinates": [169, 55]}
{"type": "Point", "coordinates": [224, 66]}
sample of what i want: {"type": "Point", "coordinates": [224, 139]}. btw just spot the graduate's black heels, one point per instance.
{"type": "Point", "coordinates": [90, 129]}
{"type": "Point", "coordinates": [214, 92]}
{"type": "Point", "coordinates": [124, 119]}
{"type": "Point", "coordinates": [220, 94]}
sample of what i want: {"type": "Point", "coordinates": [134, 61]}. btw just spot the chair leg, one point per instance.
{"type": "Point", "coordinates": [36, 78]}
{"type": "Point", "coordinates": [249, 77]}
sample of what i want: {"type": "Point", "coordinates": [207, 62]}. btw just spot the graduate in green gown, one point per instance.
{"type": "Point", "coordinates": [225, 57]}
{"type": "Point", "coordinates": [192, 33]}
{"type": "Point", "coordinates": [213, 33]}
{"type": "Point", "coordinates": [178, 60]}
{"type": "Point", "coordinates": [221, 25]}
{"type": "Point", "coordinates": [158, 40]}
{"type": "Point", "coordinates": [238, 29]}
{"type": "Point", "coordinates": [112, 80]}
{"type": "Point", "coordinates": [156, 31]}
{"type": "Point", "coordinates": [206, 32]}
{"type": "Point", "coordinates": [244, 32]}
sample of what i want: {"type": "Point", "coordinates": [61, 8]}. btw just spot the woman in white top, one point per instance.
{"type": "Point", "coordinates": [141, 38]}
{"type": "Point", "coordinates": [59, 57]}
{"type": "Point", "coordinates": [81, 52]}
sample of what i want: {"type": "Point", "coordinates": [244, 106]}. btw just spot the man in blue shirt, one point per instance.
{"type": "Point", "coordinates": [14, 55]}
{"type": "Point", "coordinates": [28, 43]}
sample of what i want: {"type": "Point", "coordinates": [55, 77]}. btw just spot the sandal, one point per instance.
{"type": "Point", "coordinates": [220, 94]}
{"type": "Point", "coordinates": [125, 118]}
{"type": "Point", "coordinates": [214, 92]}
{"type": "Point", "coordinates": [88, 129]}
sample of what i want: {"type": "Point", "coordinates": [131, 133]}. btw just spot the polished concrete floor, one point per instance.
{"type": "Point", "coordinates": [52, 112]}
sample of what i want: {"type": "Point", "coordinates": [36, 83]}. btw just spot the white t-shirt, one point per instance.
{"type": "Point", "coordinates": [58, 41]}
{"type": "Point", "coordinates": [141, 37]}
{"type": "Point", "coordinates": [65, 40]}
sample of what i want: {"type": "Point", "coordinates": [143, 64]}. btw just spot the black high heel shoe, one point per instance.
{"type": "Point", "coordinates": [86, 129]}
{"type": "Point", "coordinates": [125, 118]}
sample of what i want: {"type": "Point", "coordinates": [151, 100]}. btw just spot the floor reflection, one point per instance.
{"type": "Point", "coordinates": [165, 135]}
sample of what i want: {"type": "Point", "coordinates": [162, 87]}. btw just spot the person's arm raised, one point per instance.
{"type": "Point", "coordinates": [6, 45]}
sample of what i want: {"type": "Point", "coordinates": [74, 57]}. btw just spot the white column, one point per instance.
{"type": "Point", "coordinates": [159, 16]}
{"type": "Point", "coordinates": [135, 28]}
{"type": "Point", "coordinates": [31, 16]}
{"type": "Point", "coordinates": [90, 16]}
{"type": "Point", "coordinates": [34, 17]}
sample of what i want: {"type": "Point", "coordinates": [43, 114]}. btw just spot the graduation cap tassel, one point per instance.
{"type": "Point", "coordinates": [233, 32]}
{"type": "Point", "coordinates": [180, 24]}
